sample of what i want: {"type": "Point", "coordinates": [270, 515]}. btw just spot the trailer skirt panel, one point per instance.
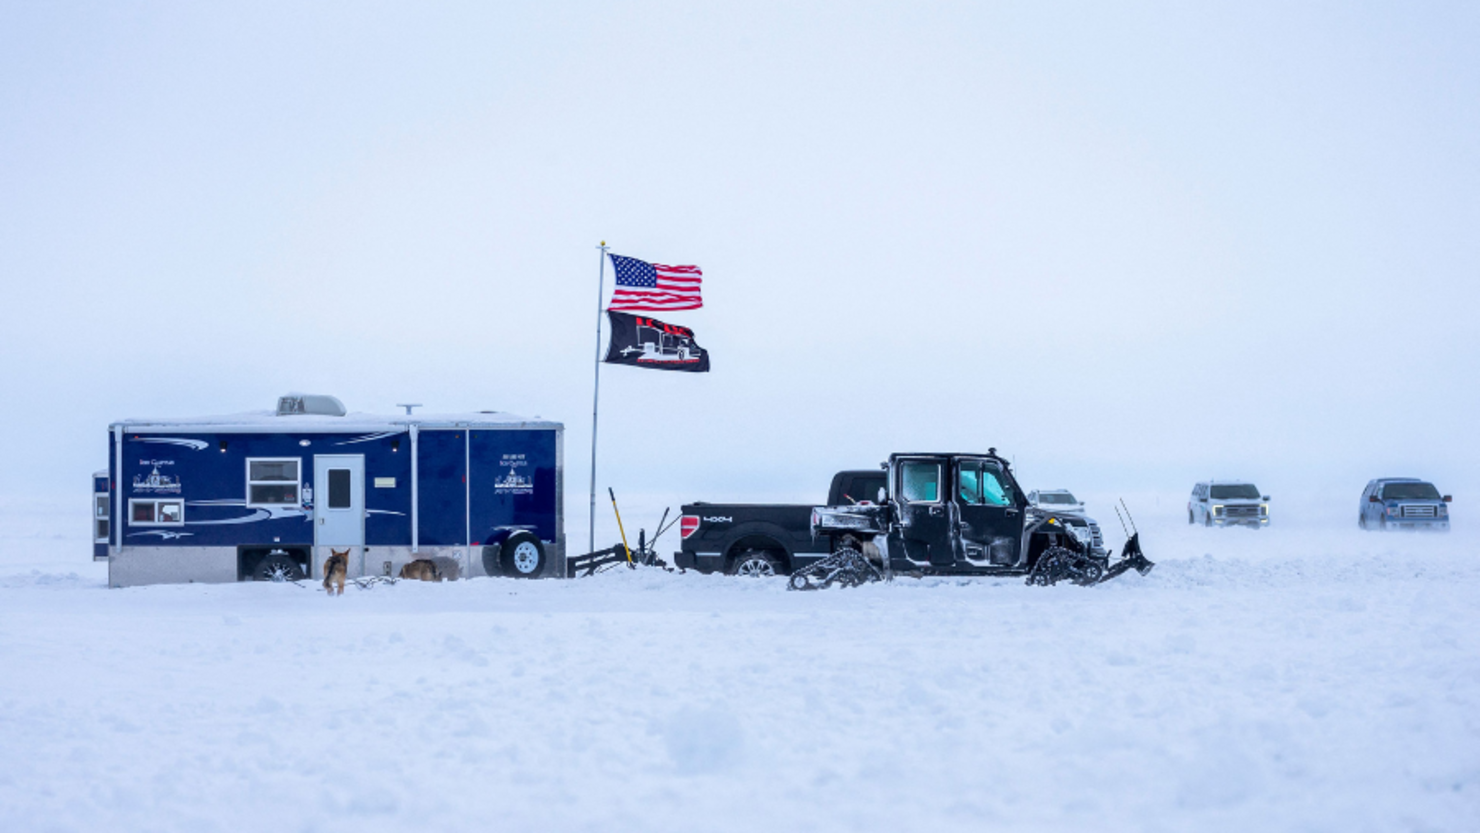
{"type": "Point", "coordinates": [132, 566]}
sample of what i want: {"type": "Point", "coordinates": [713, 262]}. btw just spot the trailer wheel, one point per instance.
{"type": "Point", "coordinates": [755, 563]}
{"type": "Point", "coordinates": [522, 556]}
{"type": "Point", "coordinates": [278, 568]}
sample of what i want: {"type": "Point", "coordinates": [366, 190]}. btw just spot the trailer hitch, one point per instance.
{"type": "Point", "coordinates": [645, 554]}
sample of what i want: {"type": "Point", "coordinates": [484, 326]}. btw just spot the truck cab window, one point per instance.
{"type": "Point", "coordinates": [969, 484]}
{"type": "Point", "coordinates": [920, 482]}
{"type": "Point", "coordinates": [996, 491]}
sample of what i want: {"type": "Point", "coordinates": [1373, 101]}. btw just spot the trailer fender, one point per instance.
{"type": "Point", "coordinates": [499, 534]}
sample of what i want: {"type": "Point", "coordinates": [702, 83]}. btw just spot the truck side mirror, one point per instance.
{"type": "Point", "coordinates": [1449, 498]}
{"type": "Point", "coordinates": [1374, 499]}
{"type": "Point", "coordinates": [1265, 498]}
{"type": "Point", "coordinates": [883, 496]}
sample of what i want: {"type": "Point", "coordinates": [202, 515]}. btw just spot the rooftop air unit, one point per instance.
{"type": "Point", "coordinates": [295, 404]}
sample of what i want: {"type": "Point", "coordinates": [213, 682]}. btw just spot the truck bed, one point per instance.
{"type": "Point", "coordinates": [714, 533]}
{"type": "Point", "coordinates": [722, 530]}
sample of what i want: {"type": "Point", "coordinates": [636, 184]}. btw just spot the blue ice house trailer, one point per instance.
{"type": "Point", "coordinates": [271, 494]}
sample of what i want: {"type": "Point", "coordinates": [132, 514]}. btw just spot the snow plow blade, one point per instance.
{"type": "Point", "coordinates": [1131, 558]}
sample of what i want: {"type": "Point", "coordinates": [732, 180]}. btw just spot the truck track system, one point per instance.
{"type": "Point", "coordinates": [1058, 564]}
{"type": "Point", "coordinates": [847, 567]}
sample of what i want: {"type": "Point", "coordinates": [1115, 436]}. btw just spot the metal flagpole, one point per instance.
{"type": "Point", "coordinates": [596, 396]}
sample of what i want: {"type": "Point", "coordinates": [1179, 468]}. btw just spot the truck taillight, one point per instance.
{"type": "Point", "coordinates": [688, 525]}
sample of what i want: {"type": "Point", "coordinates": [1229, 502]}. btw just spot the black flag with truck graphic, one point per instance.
{"type": "Point", "coordinates": [647, 342]}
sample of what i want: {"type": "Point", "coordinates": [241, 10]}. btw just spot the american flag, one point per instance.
{"type": "Point", "coordinates": [653, 286]}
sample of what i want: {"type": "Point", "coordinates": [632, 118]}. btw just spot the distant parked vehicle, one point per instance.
{"type": "Point", "coordinates": [1228, 503]}
{"type": "Point", "coordinates": [1403, 503]}
{"type": "Point", "coordinates": [1056, 500]}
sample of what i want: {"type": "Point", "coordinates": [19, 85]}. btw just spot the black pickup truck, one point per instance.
{"type": "Point", "coordinates": [765, 539]}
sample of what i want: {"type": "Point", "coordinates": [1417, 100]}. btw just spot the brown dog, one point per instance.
{"type": "Point", "coordinates": [335, 570]}
{"type": "Point", "coordinates": [422, 569]}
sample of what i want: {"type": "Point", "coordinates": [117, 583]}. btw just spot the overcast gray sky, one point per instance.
{"type": "Point", "coordinates": [1131, 245]}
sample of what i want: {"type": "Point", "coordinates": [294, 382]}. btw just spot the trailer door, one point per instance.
{"type": "Point", "coordinates": [339, 509]}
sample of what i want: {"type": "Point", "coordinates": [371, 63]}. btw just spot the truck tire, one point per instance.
{"type": "Point", "coordinates": [277, 567]}
{"type": "Point", "coordinates": [1190, 520]}
{"type": "Point", "coordinates": [755, 563]}
{"type": "Point", "coordinates": [522, 556]}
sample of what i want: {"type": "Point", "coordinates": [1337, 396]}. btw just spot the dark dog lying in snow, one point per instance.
{"type": "Point", "coordinates": [422, 569]}
{"type": "Point", "coordinates": [335, 571]}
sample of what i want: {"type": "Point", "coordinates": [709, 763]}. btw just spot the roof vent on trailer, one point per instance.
{"type": "Point", "coordinates": [309, 403]}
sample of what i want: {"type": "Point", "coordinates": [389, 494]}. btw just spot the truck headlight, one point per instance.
{"type": "Point", "coordinates": [1264, 509]}
{"type": "Point", "coordinates": [1217, 510]}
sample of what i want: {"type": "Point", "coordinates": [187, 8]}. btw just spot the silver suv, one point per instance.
{"type": "Point", "coordinates": [1056, 500]}
{"type": "Point", "coordinates": [1403, 503]}
{"type": "Point", "coordinates": [1228, 503]}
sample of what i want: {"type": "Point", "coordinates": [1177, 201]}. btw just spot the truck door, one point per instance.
{"type": "Point", "coordinates": [991, 517]}
{"type": "Point", "coordinates": [924, 516]}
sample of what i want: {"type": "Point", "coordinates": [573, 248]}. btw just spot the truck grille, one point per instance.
{"type": "Point", "coordinates": [1090, 531]}
{"type": "Point", "coordinates": [1420, 512]}
{"type": "Point", "coordinates": [1241, 511]}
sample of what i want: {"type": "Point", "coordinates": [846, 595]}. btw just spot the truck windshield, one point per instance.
{"type": "Point", "coordinates": [1056, 497]}
{"type": "Point", "coordinates": [1235, 491]}
{"type": "Point", "coordinates": [1410, 491]}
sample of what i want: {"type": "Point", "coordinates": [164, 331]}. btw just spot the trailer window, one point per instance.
{"type": "Point", "coordinates": [339, 489]}
{"type": "Point", "coordinates": [100, 517]}
{"type": "Point", "coordinates": [273, 481]}
{"type": "Point", "coordinates": [920, 482]}
{"type": "Point", "coordinates": [156, 512]}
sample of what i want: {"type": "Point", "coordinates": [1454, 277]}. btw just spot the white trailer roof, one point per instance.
{"type": "Point", "coordinates": [268, 422]}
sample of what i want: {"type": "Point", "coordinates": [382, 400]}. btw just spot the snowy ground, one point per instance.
{"type": "Point", "coordinates": [1308, 677]}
